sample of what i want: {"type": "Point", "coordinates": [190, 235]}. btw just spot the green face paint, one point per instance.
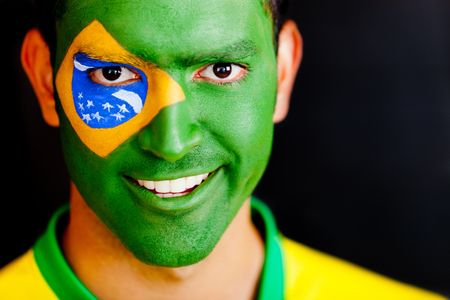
{"type": "Point", "coordinates": [221, 129]}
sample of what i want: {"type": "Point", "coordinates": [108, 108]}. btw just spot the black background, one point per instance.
{"type": "Point", "coordinates": [360, 168]}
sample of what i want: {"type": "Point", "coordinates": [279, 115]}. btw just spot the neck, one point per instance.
{"type": "Point", "coordinates": [109, 270]}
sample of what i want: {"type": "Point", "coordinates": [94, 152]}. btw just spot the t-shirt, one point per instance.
{"type": "Point", "coordinates": [291, 271]}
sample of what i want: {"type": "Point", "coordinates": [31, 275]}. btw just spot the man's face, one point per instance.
{"type": "Point", "coordinates": [156, 97]}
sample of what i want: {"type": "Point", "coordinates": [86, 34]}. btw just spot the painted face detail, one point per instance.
{"type": "Point", "coordinates": [119, 109]}
{"type": "Point", "coordinates": [168, 180]}
{"type": "Point", "coordinates": [103, 106]}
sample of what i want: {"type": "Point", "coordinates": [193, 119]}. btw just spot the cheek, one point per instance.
{"type": "Point", "coordinates": [102, 117]}
{"type": "Point", "coordinates": [241, 117]}
{"type": "Point", "coordinates": [98, 179]}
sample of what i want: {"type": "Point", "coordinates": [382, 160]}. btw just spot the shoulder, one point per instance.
{"type": "Point", "coordinates": [21, 279]}
{"type": "Point", "coordinates": [311, 274]}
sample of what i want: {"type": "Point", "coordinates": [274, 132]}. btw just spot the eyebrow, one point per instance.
{"type": "Point", "coordinates": [228, 53]}
{"type": "Point", "coordinates": [128, 59]}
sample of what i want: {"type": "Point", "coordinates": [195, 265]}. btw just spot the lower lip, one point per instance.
{"type": "Point", "coordinates": [179, 204]}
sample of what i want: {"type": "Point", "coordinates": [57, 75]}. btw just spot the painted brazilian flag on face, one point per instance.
{"type": "Point", "coordinates": [109, 94]}
{"type": "Point", "coordinates": [105, 103]}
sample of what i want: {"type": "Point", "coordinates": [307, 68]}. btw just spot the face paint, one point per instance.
{"type": "Point", "coordinates": [106, 106]}
{"type": "Point", "coordinates": [216, 55]}
{"type": "Point", "coordinates": [119, 110]}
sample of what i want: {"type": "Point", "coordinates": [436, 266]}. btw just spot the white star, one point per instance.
{"type": "Point", "coordinates": [123, 108]}
{"type": "Point", "coordinates": [81, 106]}
{"type": "Point", "coordinates": [80, 95]}
{"type": "Point", "coordinates": [107, 106]}
{"type": "Point", "coordinates": [97, 116]}
{"type": "Point", "coordinates": [87, 118]}
{"type": "Point", "coordinates": [118, 116]}
{"type": "Point", "coordinates": [90, 104]}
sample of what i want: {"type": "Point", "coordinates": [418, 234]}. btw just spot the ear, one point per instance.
{"type": "Point", "coordinates": [290, 50]}
{"type": "Point", "coordinates": [35, 59]}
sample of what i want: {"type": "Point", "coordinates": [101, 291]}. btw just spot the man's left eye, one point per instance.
{"type": "Point", "coordinates": [114, 76]}
{"type": "Point", "coordinates": [221, 73]}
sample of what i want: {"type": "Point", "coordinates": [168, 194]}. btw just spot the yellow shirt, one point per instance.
{"type": "Point", "coordinates": [310, 275]}
{"type": "Point", "coordinates": [292, 269]}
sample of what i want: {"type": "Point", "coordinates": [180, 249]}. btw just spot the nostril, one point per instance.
{"type": "Point", "coordinates": [195, 136]}
{"type": "Point", "coordinates": [144, 140]}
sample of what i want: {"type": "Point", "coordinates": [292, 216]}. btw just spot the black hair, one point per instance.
{"type": "Point", "coordinates": [278, 9]}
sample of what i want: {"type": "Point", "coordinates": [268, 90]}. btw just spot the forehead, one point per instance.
{"type": "Point", "coordinates": [157, 28]}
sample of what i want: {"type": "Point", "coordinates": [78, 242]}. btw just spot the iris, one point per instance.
{"type": "Point", "coordinates": [112, 73]}
{"type": "Point", "coordinates": [222, 70]}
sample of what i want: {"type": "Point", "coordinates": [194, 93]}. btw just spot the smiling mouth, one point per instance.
{"type": "Point", "coordinates": [173, 188]}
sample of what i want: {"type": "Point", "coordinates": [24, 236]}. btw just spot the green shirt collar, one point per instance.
{"type": "Point", "coordinates": [64, 283]}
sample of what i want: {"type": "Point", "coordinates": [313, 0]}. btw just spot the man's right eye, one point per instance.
{"type": "Point", "coordinates": [114, 76]}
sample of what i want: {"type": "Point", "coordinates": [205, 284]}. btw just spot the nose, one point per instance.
{"type": "Point", "coordinates": [172, 133]}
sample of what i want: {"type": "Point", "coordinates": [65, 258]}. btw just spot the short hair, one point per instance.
{"type": "Point", "coordinates": [47, 12]}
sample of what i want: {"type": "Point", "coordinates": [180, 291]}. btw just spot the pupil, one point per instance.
{"type": "Point", "coordinates": [112, 73]}
{"type": "Point", "coordinates": [222, 70]}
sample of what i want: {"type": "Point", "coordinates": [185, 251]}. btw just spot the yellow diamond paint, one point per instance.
{"type": "Point", "coordinates": [96, 42]}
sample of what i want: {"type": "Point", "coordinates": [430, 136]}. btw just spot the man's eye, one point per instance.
{"type": "Point", "coordinates": [113, 76]}
{"type": "Point", "coordinates": [221, 73]}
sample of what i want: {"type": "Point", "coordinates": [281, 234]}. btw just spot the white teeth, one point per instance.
{"type": "Point", "coordinates": [173, 188]}
{"type": "Point", "coordinates": [198, 179]}
{"type": "Point", "coordinates": [190, 182]}
{"type": "Point", "coordinates": [162, 186]}
{"type": "Point", "coordinates": [170, 195]}
{"type": "Point", "coordinates": [166, 195]}
{"type": "Point", "coordinates": [178, 185]}
{"type": "Point", "coordinates": [149, 184]}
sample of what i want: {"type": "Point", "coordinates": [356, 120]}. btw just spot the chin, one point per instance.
{"type": "Point", "coordinates": [173, 247]}
{"type": "Point", "coordinates": [172, 258]}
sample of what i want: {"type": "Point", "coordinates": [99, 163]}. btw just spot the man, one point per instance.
{"type": "Point", "coordinates": [166, 111]}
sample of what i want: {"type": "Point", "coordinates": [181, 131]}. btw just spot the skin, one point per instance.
{"type": "Point", "coordinates": [201, 134]}
{"type": "Point", "coordinates": [221, 128]}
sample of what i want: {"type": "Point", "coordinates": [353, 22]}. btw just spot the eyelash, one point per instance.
{"type": "Point", "coordinates": [197, 77]}
{"type": "Point", "coordinates": [245, 70]}
{"type": "Point", "coordinates": [123, 71]}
